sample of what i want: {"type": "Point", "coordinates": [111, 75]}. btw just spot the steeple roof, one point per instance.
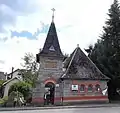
{"type": "Point", "coordinates": [79, 66]}
{"type": "Point", "coordinates": [51, 45]}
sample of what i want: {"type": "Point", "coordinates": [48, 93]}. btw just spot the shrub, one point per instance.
{"type": "Point", "coordinates": [22, 87]}
{"type": "Point", "coordinates": [3, 101]}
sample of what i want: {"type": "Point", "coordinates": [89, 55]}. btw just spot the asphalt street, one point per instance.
{"type": "Point", "coordinates": [71, 110]}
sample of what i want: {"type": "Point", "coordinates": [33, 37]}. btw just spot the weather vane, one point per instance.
{"type": "Point", "coordinates": [53, 14]}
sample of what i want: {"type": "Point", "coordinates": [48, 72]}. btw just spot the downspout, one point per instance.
{"type": "Point", "coordinates": [62, 90]}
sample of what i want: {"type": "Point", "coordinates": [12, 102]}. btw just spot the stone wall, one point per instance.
{"type": "Point", "coordinates": [48, 75]}
{"type": "Point", "coordinates": [58, 94]}
{"type": "Point", "coordinates": [45, 73]}
{"type": "Point", "coordinates": [63, 92]}
{"type": "Point", "coordinates": [77, 96]}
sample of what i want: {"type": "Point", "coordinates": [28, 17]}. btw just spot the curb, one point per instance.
{"type": "Point", "coordinates": [60, 107]}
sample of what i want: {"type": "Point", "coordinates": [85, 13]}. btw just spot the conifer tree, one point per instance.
{"type": "Point", "coordinates": [106, 52]}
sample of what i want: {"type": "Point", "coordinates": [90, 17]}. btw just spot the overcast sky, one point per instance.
{"type": "Point", "coordinates": [24, 25]}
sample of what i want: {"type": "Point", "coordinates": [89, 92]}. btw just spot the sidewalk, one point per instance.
{"type": "Point", "coordinates": [58, 107]}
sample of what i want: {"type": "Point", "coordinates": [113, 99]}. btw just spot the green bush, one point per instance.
{"type": "Point", "coordinates": [22, 87]}
{"type": "Point", "coordinates": [12, 95]}
{"type": "Point", "coordinates": [3, 101]}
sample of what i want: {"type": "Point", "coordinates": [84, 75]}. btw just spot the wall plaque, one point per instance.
{"type": "Point", "coordinates": [74, 87]}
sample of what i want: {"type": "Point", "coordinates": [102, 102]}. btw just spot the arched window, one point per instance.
{"type": "Point", "coordinates": [97, 87]}
{"type": "Point", "coordinates": [82, 88]}
{"type": "Point", "coordinates": [90, 88]}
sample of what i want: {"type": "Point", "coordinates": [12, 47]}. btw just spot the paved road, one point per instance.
{"type": "Point", "coordinates": [72, 110]}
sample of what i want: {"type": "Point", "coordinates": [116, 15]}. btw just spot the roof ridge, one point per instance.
{"type": "Point", "coordinates": [70, 63]}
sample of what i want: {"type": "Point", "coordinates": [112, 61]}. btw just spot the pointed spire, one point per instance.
{"type": "Point", "coordinates": [53, 14]}
{"type": "Point", "coordinates": [51, 45]}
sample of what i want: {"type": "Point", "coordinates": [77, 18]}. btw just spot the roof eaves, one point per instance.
{"type": "Point", "coordinates": [97, 68]}
{"type": "Point", "coordinates": [11, 80]}
{"type": "Point", "coordinates": [83, 79]}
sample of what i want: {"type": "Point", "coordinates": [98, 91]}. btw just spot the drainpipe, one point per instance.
{"type": "Point", "coordinates": [62, 90]}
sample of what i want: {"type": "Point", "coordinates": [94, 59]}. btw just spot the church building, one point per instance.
{"type": "Point", "coordinates": [71, 80]}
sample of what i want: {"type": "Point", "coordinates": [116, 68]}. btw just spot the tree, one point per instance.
{"type": "Point", "coordinates": [111, 39]}
{"type": "Point", "coordinates": [65, 55]}
{"type": "Point", "coordinates": [31, 69]}
{"type": "Point", "coordinates": [1, 88]}
{"type": "Point", "coordinates": [22, 87]}
{"type": "Point", "coordinates": [30, 77]}
{"type": "Point", "coordinates": [89, 50]}
{"type": "Point", "coordinates": [29, 62]}
{"type": "Point", "coordinates": [106, 52]}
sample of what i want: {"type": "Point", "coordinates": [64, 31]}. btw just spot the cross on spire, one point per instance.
{"type": "Point", "coordinates": [53, 14]}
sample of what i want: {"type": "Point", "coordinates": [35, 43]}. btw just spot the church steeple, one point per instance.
{"type": "Point", "coordinates": [51, 45]}
{"type": "Point", "coordinates": [53, 14]}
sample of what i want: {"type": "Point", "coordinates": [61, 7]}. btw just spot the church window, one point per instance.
{"type": "Point", "coordinates": [90, 88]}
{"type": "Point", "coordinates": [97, 87]}
{"type": "Point", "coordinates": [82, 88]}
{"type": "Point", "coordinates": [50, 64]}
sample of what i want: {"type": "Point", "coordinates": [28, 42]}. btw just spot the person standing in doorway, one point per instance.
{"type": "Point", "coordinates": [47, 98]}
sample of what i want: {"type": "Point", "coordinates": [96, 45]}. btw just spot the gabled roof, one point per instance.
{"type": "Point", "coordinates": [79, 66]}
{"type": "Point", "coordinates": [51, 45]}
{"type": "Point", "coordinates": [11, 80]}
{"type": "Point", "coordinates": [13, 71]}
{"type": "Point", "coordinates": [16, 71]}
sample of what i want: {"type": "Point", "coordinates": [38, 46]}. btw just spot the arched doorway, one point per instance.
{"type": "Point", "coordinates": [51, 88]}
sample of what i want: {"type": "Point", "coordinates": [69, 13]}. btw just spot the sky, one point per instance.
{"type": "Point", "coordinates": [24, 25]}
